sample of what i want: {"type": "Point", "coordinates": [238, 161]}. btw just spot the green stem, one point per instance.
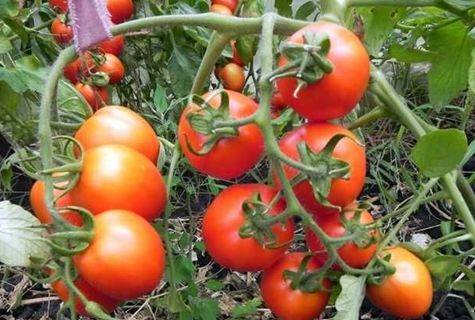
{"type": "Point", "coordinates": [378, 112]}
{"type": "Point", "coordinates": [466, 191]}
{"type": "Point", "coordinates": [453, 238]}
{"type": "Point", "coordinates": [35, 28]}
{"type": "Point", "coordinates": [333, 10]}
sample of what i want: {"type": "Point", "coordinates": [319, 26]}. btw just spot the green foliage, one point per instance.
{"type": "Point", "coordinates": [351, 297]}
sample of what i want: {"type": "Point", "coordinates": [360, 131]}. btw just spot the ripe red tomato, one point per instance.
{"type": "Point", "coordinates": [79, 68]}
{"type": "Point", "coordinates": [239, 153]}
{"type": "Point", "coordinates": [113, 67]}
{"type": "Point", "coordinates": [120, 10]}
{"type": "Point", "coordinates": [236, 58]}
{"type": "Point", "coordinates": [108, 303]}
{"type": "Point", "coordinates": [114, 176]}
{"type": "Point", "coordinates": [96, 97]}
{"type": "Point", "coordinates": [231, 4]}
{"type": "Point", "coordinates": [62, 32]}
{"type": "Point", "coordinates": [338, 92]}
{"type": "Point", "coordinates": [37, 202]}
{"type": "Point", "coordinates": [125, 259]}
{"type": "Point", "coordinates": [224, 218]}
{"type": "Point", "coordinates": [220, 9]}
{"type": "Point", "coordinates": [348, 149]}
{"type": "Point", "coordinates": [113, 46]}
{"type": "Point", "coordinates": [285, 302]}
{"type": "Point", "coordinates": [408, 292]}
{"type": "Point", "coordinates": [232, 76]}
{"type": "Point", "coordinates": [353, 255]}
{"type": "Point", "coordinates": [117, 124]}
{"type": "Point", "coordinates": [277, 101]}
{"type": "Point", "coordinates": [59, 5]}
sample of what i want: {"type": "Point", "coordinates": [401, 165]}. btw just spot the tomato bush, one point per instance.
{"type": "Point", "coordinates": [288, 303]}
{"type": "Point", "coordinates": [125, 259]}
{"type": "Point", "coordinates": [225, 217]}
{"type": "Point", "coordinates": [333, 95]}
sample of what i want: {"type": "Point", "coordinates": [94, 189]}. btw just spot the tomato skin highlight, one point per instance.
{"type": "Point", "coordinates": [126, 259]}
{"type": "Point", "coordinates": [108, 303]}
{"type": "Point", "coordinates": [407, 293]}
{"type": "Point", "coordinates": [233, 77]}
{"type": "Point", "coordinates": [221, 225]}
{"type": "Point", "coordinates": [331, 224]}
{"type": "Point", "coordinates": [118, 124]}
{"type": "Point", "coordinates": [239, 153]}
{"type": "Point", "coordinates": [220, 9]}
{"type": "Point", "coordinates": [231, 4]}
{"type": "Point", "coordinates": [316, 136]}
{"type": "Point", "coordinates": [96, 97]}
{"type": "Point", "coordinates": [282, 300]}
{"type": "Point", "coordinates": [335, 94]}
{"type": "Point", "coordinates": [37, 201]}
{"type": "Point", "coordinates": [115, 176]}
{"type": "Point", "coordinates": [120, 10]}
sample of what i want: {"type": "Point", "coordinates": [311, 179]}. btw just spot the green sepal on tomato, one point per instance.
{"type": "Point", "coordinates": [125, 259]}
{"type": "Point", "coordinates": [342, 191]}
{"type": "Point", "coordinates": [225, 219]}
{"type": "Point", "coordinates": [336, 93]}
{"type": "Point", "coordinates": [287, 303]}
{"type": "Point", "coordinates": [236, 151]}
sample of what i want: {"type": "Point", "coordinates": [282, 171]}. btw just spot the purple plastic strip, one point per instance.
{"type": "Point", "coordinates": [91, 23]}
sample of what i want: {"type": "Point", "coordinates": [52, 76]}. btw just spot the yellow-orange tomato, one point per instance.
{"type": "Point", "coordinates": [408, 292]}
{"type": "Point", "coordinates": [232, 76]}
{"type": "Point", "coordinates": [221, 9]}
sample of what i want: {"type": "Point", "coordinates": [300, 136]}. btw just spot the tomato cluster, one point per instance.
{"type": "Point", "coordinates": [121, 186]}
{"type": "Point", "coordinates": [92, 72]}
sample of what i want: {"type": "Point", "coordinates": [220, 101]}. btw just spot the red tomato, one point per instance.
{"type": "Point", "coordinates": [285, 302]}
{"type": "Point", "coordinates": [338, 92]}
{"type": "Point", "coordinates": [233, 77]}
{"type": "Point", "coordinates": [62, 32]}
{"type": "Point", "coordinates": [277, 101]}
{"type": "Point", "coordinates": [96, 97]}
{"type": "Point", "coordinates": [125, 259]}
{"type": "Point", "coordinates": [316, 136]}
{"type": "Point", "coordinates": [59, 5]}
{"type": "Point", "coordinates": [114, 176]}
{"type": "Point", "coordinates": [408, 292]}
{"type": "Point", "coordinates": [224, 218]}
{"type": "Point", "coordinates": [221, 9]}
{"type": "Point", "coordinates": [117, 124]}
{"type": "Point", "coordinates": [79, 68]}
{"type": "Point", "coordinates": [353, 255]}
{"type": "Point", "coordinates": [231, 4]}
{"type": "Point", "coordinates": [239, 154]}
{"type": "Point", "coordinates": [113, 67]}
{"type": "Point", "coordinates": [120, 10]}
{"type": "Point", "coordinates": [38, 205]}
{"type": "Point", "coordinates": [113, 46]}
{"type": "Point", "coordinates": [108, 303]}
{"type": "Point", "coordinates": [236, 58]}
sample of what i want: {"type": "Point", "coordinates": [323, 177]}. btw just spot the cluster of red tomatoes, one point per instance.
{"type": "Point", "coordinates": [92, 72]}
{"type": "Point", "coordinates": [233, 221]}
{"type": "Point", "coordinates": [121, 186]}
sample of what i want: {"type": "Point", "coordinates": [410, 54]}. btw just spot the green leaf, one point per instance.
{"type": "Point", "coordinates": [21, 236]}
{"type": "Point", "coordinates": [403, 54]}
{"type": "Point", "coordinates": [17, 28]}
{"type": "Point", "coordinates": [205, 309]}
{"type": "Point", "coordinates": [448, 76]}
{"type": "Point", "coordinates": [245, 47]}
{"type": "Point", "coordinates": [183, 65]}
{"type": "Point", "coordinates": [465, 285]}
{"type": "Point", "coordinates": [284, 7]}
{"type": "Point", "coordinates": [9, 8]}
{"type": "Point", "coordinates": [306, 10]}
{"type": "Point", "coordinates": [5, 45]}
{"type": "Point", "coordinates": [184, 269]}
{"type": "Point", "coordinates": [439, 152]}
{"type": "Point", "coordinates": [199, 34]}
{"type": "Point", "coordinates": [160, 99]}
{"type": "Point", "coordinates": [214, 285]}
{"type": "Point", "coordinates": [247, 309]}
{"type": "Point", "coordinates": [349, 301]}
{"type": "Point", "coordinates": [253, 9]}
{"type": "Point", "coordinates": [6, 174]}
{"type": "Point", "coordinates": [443, 266]}
{"type": "Point", "coordinates": [379, 23]}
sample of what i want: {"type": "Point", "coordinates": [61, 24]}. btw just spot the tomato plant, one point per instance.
{"type": "Point", "coordinates": [79, 68]}
{"type": "Point", "coordinates": [408, 292]}
{"type": "Point", "coordinates": [96, 97]}
{"type": "Point", "coordinates": [224, 219]}
{"type": "Point", "coordinates": [117, 124]}
{"type": "Point", "coordinates": [233, 77]}
{"type": "Point", "coordinates": [231, 4]}
{"type": "Point", "coordinates": [348, 149]}
{"type": "Point", "coordinates": [286, 302]}
{"type": "Point", "coordinates": [113, 67]}
{"type": "Point", "coordinates": [333, 95]}
{"type": "Point", "coordinates": [61, 30]}
{"type": "Point", "coordinates": [108, 303]}
{"type": "Point", "coordinates": [240, 152]}
{"type": "Point", "coordinates": [355, 255]}
{"type": "Point", "coordinates": [122, 178]}
{"type": "Point", "coordinates": [125, 259]}
{"type": "Point", "coordinates": [120, 10]}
